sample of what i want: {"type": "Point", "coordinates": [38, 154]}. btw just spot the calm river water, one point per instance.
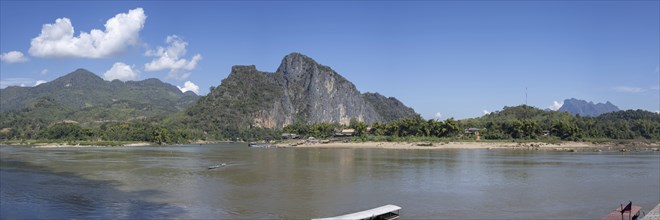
{"type": "Point", "coordinates": [174, 182]}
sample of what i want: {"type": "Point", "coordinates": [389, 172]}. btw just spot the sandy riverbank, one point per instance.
{"type": "Point", "coordinates": [561, 146]}
{"type": "Point", "coordinates": [557, 146]}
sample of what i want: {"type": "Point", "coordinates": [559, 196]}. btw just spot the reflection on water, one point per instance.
{"type": "Point", "coordinates": [174, 182]}
{"type": "Point", "coordinates": [33, 192]}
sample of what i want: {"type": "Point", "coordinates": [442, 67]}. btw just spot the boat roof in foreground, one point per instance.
{"type": "Point", "coordinates": [654, 214]}
{"type": "Point", "coordinates": [617, 215]}
{"type": "Point", "coordinates": [366, 214]}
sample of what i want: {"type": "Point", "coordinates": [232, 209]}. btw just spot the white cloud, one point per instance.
{"type": "Point", "coordinates": [172, 58]}
{"type": "Point", "coordinates": [655, 88]}
{"type": "Point", "coordinates": [628, 89]}
{"type": "Point", "coordinates": [486, 112]}
{"type": "Point", "coordinates": [13, 57]}
{"type": "Point", "coordinates": [57, 40]}
{"type": "Point", "coordinates": [189, 86]}
{"type": "Point", "coordinates": [122, 72]}
{"type": "Point", "coordinates": [44, 71]}
{"type": "Point", "coordinates": [39, 82]}
{"type": "Point", "coordinates": [4, 83]}
{"type": "Point", "coordinates": [438, 115]}
{"type": "Point", "coordinates": [555, 105]}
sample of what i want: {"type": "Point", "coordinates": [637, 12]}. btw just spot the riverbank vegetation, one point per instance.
{"type": "Point", "coordinates": [520, 123]}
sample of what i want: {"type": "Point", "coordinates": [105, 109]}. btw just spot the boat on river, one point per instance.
{"type": "Point", "coordinates": [256, 145]}
{"type": "Point", "coordinates": [629, 212]}
{"type": "Point", "coordinates": [217, 166]}
{"type": "Point", "coordinates": [386, 212]}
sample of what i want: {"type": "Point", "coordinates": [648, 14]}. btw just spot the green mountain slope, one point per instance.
{"type": "Point", "coordinates": [389, 108]}
{"type": "Point", "coordinates": [525, 122]}
{"type": "Point", "coordinates": [83, 96]}
{"type": "Point", "coordinates": [230, 106]}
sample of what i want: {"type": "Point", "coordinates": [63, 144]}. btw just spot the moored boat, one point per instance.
{"type": "Point", "coordinates": [629, 212]}
{"type": "Point", "coordinates": [654, 214]}
{"type": "Point", "coordinates": [217, 166]}
{"type": "Point", "coordinates": [264, 145]}
{"type": "Point", "coordinates": [386, 212]}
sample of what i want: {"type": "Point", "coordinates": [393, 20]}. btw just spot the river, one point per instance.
{"type": "Point", "coordinates": [295, 183]}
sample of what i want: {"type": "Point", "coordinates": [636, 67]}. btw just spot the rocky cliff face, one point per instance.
{"type": "Point", "coordinates": [584, 108]}
{"type": "Point", "coordinates": [316, 93]}
{"type": "Point", "coordinates": [301, 90]}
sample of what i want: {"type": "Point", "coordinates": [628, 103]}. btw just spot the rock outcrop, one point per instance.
{"type": "Point", "coordinates": [316, 93]}
{"type": "Point", "coordinates": [584, 108]}
{"type": "Point", "coordinates": [300, 91]}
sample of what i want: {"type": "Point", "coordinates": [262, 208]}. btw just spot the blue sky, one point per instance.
{"type": "Point", "coordinates": [455, 58]}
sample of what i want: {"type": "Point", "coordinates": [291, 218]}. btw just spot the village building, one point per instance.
{"type": "Point", "coordinates": [290, 136]}
{"type": "Point", "coordinates": [345, 133]}
{"type": "Point", "coordinates": [473, 131]}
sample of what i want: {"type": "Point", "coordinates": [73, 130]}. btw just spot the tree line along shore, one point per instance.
{"type": "Point", "coordinates": [520, 124]}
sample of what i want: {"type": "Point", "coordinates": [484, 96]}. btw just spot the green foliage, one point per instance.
{"type": "Point", "coordinates": [360, 128]}
{"type": "Point", "coordinates": [521, 129]}
{"type": "Point", "coordinates": [511, 123]}
{"type": "Point", "coordinates": [81, 107]}
{"type": "Point", "coordinates": [298, 128]}
{"type": "Point", "coordinates": [84, 97]}
{"type": "Point", "coordinates": [254, 134]}
{"type": "Point", "coordinates": [417, 127]}
{"type": "Point", "coordinates": [524, 122]}
{"type": "Point", "coordinates": [389, 109]}
{"type": "Point", "coordinates": [565, 130]}
{"type": "Point", "coordinates": [161, 135]}
{"type": "Point", "coordinates": [66, 131]}
{"type": "Point", "coordinates": [323, 130]}
{"type": "Point", "coordinates": [226, 112]}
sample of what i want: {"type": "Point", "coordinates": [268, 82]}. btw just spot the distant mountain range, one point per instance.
{"type": "Point", "coordinates": [83, 96]}
{"type": "Point", "coordinates": [300, 91]}
{"type": "Point", "coordinates": [249, 102]}
{"type": "Point", "coordinates": [584, 108]}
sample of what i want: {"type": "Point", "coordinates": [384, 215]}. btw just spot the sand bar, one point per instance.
{"type": "Point", "coordinates": [561, 146]}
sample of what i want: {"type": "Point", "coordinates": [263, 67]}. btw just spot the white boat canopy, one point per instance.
{"type": "Point", "coordinates": [367, 214]}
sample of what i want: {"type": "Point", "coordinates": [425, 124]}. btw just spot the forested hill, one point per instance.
{"type": "Point", "coordinates": [247, 104]}
{"type": "Point", "coordinates": [525, 122]}
{"type": "Point", "coordinates": [302, 96]}
{"type": "Point", "coordinates": [83, 96]}
{"type": "Point", "coordinates": [389, 108]}
{"type": "Point", "coordinates": [300, 91]}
